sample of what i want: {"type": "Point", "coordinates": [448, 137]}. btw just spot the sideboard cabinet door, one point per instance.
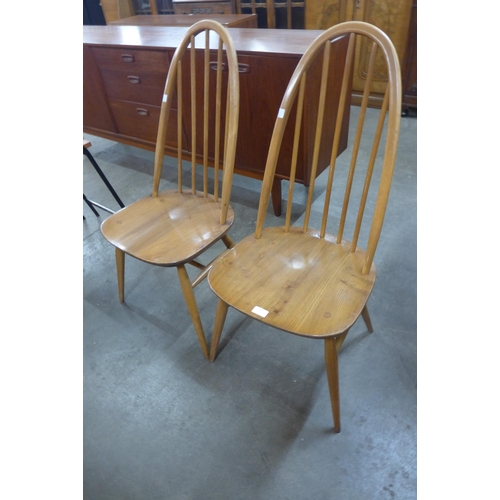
{"type": "Point", "coordinates": [96, 112]}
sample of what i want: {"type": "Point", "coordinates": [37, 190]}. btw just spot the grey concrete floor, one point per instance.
{"type": "Point", "coordinates": [161, 422]}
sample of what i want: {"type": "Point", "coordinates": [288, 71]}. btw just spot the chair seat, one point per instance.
{"type": "Point", "coordinates": [167, 230]}
{"type": "Point", "coordinates": [309, 286]}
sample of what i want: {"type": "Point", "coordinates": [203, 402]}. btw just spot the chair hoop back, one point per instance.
{"type": "Point", "coordinates": [295, 100]}
{"type": "Point", "coordinates": [214, 135]}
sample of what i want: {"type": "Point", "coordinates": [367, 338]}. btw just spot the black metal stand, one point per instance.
{"type": "Point", "coordinates": [93, 204]}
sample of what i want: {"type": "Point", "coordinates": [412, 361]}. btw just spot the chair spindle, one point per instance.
{"type": "Point", "coordinates": [226, 183]}
{"type": "Point", "coordinates": [206, 88]}
{"type": "Point", "coordinates": [338, 127]}
{"type": "Point", "coordinates": [357, 141]}
{"type": "Point", "coordinates": [179, 127]}
{"type": "Point", "coordinates": [218, 98]}
{"type": "Point", "coordinates": [193, 115]}
{"type": "Point", "coordinates": [293, 167]}
{"type": "Point", "coordinates": [369, 171]}
{"type": "Point", "coordinates": [319, 128]}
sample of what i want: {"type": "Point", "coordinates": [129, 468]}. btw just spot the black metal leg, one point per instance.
{"type": "Point", "coordinates": [86, 152]}
{"type": "Point", "coordinates": [96, 213]}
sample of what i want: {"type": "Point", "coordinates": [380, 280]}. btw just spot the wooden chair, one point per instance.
{"type": "Point", "coordinates": [304, 280]}
{"type": "Point", "coordinates": [172, 228]}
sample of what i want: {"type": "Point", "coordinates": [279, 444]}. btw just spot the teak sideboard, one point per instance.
{"type": "Point", "coordinates": [124, 73]}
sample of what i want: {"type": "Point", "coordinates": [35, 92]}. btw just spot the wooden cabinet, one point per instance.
{"type": "Point", "coordinates": [125, 69]}
{"type": "Point", "coordinates": [204, 7]}
{"type": "Point", "coordinates": [391, 16]}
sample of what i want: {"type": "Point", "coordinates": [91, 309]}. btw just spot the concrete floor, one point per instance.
{"type": "Point", "coordinates": [161, 422]}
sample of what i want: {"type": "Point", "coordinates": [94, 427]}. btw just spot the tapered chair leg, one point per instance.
{"type": "Point", "coordinates": [366, 319]}
{"type": "Point", "coordinates": [228, 241]}
{"type": "Point", "coordinates": [220, 318]}
{"type": "Point", "coordinates": [332, 373]}
{"type": "Point", "coordinates": [189, 297]}
{"type": "Point", "coordinates": [120, 273]}
{"type": "Point", "coordinates": [339, 340]}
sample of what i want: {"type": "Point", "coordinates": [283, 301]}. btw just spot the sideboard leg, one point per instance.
{"type": "Point", "coordinates": [276, 196]}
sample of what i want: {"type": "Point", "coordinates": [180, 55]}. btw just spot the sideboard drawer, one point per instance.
{"type": "Point", "coordinates": [136, 86]}
{"type": "Point", "coordinates": [126, 59]}
{"type": "Point", "coordinates": [133, 74]}
{"type": "Point", "coordinates": [140, 120]}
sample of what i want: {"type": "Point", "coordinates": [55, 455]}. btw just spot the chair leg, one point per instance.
{"type": "Point", "coordinates": [366, 319]}
{"type": "Point", "coordinates": [120, 273]}
{"type": "Point", "coordinates": [332, 373]}
{"type": "Point", "coordinates": [189, 297]}
{"type": "Point", "coordinates": [228, 241]}
{"type": "Point", "coordinates": [220, 318]}
{"type": "Point", "coordinates": [339, 340]}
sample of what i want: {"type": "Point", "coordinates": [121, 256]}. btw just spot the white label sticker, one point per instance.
{"type": "Point", "coordinates": [281, 113]}
{"type": "Point", "coordinates": [165, 97]}
{"type": "Point", "coordinates": [261, 312]}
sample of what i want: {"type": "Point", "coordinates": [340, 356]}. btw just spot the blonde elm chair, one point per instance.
{"type": "Point", "coordinates": [315, 281]}
{"type": "Point", "coordinates": [173, 228]}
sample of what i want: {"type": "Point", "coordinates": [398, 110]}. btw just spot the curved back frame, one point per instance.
{"type": "Point", "coordinates": [209, 113]}
{"type": "Point", "coordinates": [294, 99]}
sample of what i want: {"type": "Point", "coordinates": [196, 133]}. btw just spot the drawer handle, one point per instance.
{"type": "Point", "coordinates": [242, 68]}
{"type": "Point", "coordinates": [128, 57]}
{"type": "Point", "coordinates": [134, 79]}
{"type": "Point", "coordinates": [142, 112]}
